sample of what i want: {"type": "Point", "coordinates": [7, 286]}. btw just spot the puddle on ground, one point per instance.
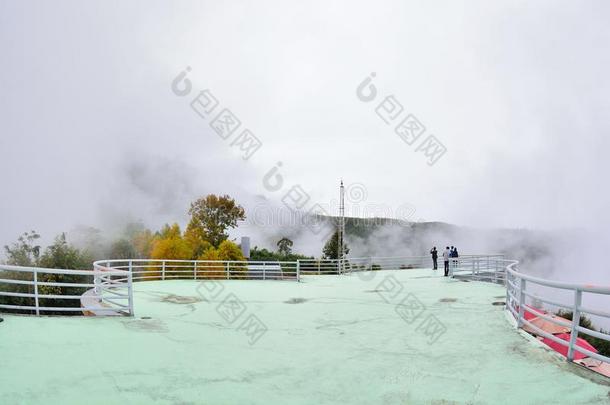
{"type": "Point", "coordinates": [447, 300]}
{"type": "Point", "coordinates": [498, 303]}
{"type": "Point", "coordinates": [295, 301]}
{"type": "Point", "coordinates": [180, 299]}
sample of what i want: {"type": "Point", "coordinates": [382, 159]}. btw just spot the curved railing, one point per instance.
{"type": "Point", "coordinates": [490, 268]}
{"type": "Point", "coordinates": [525, 305]}
{"type": "Point", "coordinates": [520, 300]}
{"type": "Point", "coordinates": [107, 289]}
{"type": "Point", "coordinates": [42, 291]}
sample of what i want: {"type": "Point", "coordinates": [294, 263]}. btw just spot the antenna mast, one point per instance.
{"type": "Point", "coordinates": [341, 230]}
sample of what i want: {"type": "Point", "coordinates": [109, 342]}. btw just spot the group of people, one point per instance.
{"type": "Point", "coordinates": [448, 254]}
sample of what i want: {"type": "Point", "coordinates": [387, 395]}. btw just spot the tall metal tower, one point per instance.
{"type": "Point", "coordinates": [341, 230]}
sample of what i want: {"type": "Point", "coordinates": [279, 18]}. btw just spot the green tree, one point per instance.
{"type": "Point", "coordinates": [331, 248]}
{"type": "Point", "coordinates": [61, 255]}
{"type": "Point", "coordinates": [602, 346]}
{"type": "Point", "coordinates": [262, 254]}
{"type": "Point", "coordinates": [214, 215]}
{"type": "Point", "coordinates": [284, 246]}
{"type": "Point", "coordinates": [122, 249]}
{"type": "Point", "coordinates": [24, 252]}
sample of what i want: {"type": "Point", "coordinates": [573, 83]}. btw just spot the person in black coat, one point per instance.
{"type": "Point", "coordinates": [434, 254]}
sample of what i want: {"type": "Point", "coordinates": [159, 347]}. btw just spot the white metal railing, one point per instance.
{"type": "Point", "coordinates": [40, 290]}
{"type": "Point", "coordinates": [518, 298]}
{"type": "Point", "coordinates": [319, 266]}
{"type": "Point", "coordinates": [373, 263]}
{"type": "Point", "coordinates": [43, 291]}
{"type": "Point", "coordinates": [479, 267]}
{"type": "Point", "coordinates": [153, 269]}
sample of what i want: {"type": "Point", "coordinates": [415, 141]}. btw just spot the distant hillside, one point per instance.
{"type": "Point", "coordinates": [390, 237]}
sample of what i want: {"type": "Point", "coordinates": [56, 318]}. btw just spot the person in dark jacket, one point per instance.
{"type": "Point", "coordinates": [446, 256]}
{"type": "Point", "coordinates": [454, 255]}
{"type": "Point", "coordinates": [434, 254]}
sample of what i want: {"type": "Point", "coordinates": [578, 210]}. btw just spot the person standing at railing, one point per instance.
{"type": "Point", "coordinates": [446, 256]}
{"type": "Point", "coordinates": [434, 254]}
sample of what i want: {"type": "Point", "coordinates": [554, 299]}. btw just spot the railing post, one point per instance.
{"type": "Point", "coordinates": [298, 271]}
{"type": "Point", "coordinates": [507, 285]}
{"type": "Point", "coordinates": [228, 274]}
{"type": "Point", "coordinates": [319, 267]}
{"type": "Point", "coordinates": [522, 286]}
{"type": "Point", "coordinates": [96, 280]}
{"type": "Point", "coordinates": [264, 271]}
{"type": "Point", "coordinates": [36, 292]}
{"type": "Point", "coordinates": [195, 269]}
{"type": "Point", "coordinates": [163, 270]}
{"type": "Point", "coordinates": [130, 290]}
{"type": "Point", "coordinates": [575, 323]}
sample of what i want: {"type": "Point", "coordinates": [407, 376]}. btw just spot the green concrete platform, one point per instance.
{"type": "Point", "coordinates": [329, 340]}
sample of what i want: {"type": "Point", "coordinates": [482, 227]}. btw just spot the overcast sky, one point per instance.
{"type": "Point", "coordinates": [92, 133]}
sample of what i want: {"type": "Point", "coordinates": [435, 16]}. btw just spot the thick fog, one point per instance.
{"type": "Point", "coordinates": [97, 129]}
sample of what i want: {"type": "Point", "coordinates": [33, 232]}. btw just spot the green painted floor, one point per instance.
{"type": "Point", "coordinates": [328, 340]}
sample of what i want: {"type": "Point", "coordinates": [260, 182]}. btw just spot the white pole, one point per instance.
{"type": "Point", "coordinates": [575, 323]}
{"type": "Point", "coordinates": [36, 292]}
{"type": "Point", "coordinates": [163, 270]}
{"type": "Point", "coordinates": [298, 271]}
{"type": "Point", "coordinates": [130, 291]}
{"type": "Point", "coordinates": [521, 302]}
{"type": "Point", "coordinates": [341, 230]}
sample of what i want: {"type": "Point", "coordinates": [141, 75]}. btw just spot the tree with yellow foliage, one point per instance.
{"type": "Point", "coordinates": [170, 245]}
{"type": "Point", "coordinates": [227, 251]}
{"type": "Point", "coordinates": [214, 215]}
{"type": "Point", "coordinates": [195, 237]}
{"type": "Point", "coordinates": [142, 242]}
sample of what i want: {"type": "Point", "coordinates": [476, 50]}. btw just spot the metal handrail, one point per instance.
{"type": "Point", "coordinates": [520, 283]}
{"type": "Point", "coordinates": [101, 283]}
{"type": "Point", "coordinates": [113, 280]}
{"type": "Point", "coordinates": [517, 301]}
